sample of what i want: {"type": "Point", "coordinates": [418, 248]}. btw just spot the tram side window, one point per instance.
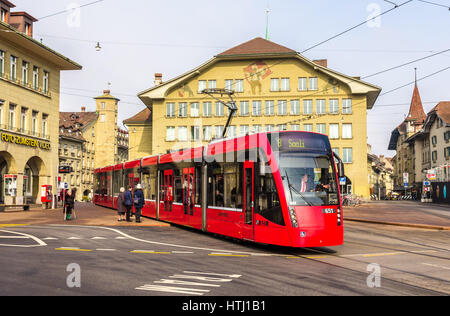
{"type": "Point", "coordinates": [198, 186]}
{"type": "Point", "coordinates": [269, 205]}
{"type": "Point", "coordinates": [178, 186]}
{"type": "Point", "coordinates": [225, 185]}
{"type": "Point", "coordinates": [97, 184]}
{"type": "Point", "coordinates": [117, 182]}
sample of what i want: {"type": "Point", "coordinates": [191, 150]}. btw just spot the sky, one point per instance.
{"type": "Point", "coordinates": [142, 37]}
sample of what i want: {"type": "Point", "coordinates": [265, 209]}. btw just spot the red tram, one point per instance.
{"type": "Point", "coordinates": [272, 188]}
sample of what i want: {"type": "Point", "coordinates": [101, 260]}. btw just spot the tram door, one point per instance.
{"type": "Point", "coordinates": [168, 190]}
{"type": "Point", "coordinates": [188, 192]}
{"type": "Point", "coordinates": [249, 198]}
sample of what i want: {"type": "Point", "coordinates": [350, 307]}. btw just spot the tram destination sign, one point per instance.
{"type": "Point", "coordinates": [24, 141]}
{"type": "Point", "coordinates": [284, 142]}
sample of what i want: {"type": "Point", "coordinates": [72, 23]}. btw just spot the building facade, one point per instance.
{"type": "Point", "coordinates": [90, 140]}
{"type": "Point", "coordinates": [275, 88]}
{"type": "Point", "coordinates": [29, 109]}
{"type": "Point", "coordinates": [380, 177]}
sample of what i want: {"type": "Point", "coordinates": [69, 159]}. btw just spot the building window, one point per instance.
{"type": "Point", "coordinates": [282, 127]}
{"type": "Point", "coordinates": [307, 127]}
{"type": "Point", "coordinates": [12, 116]}
{"type": "Point", "coordinates": [347, 131]}
{"type": "Point", "coordinates": [244, 110]}
{"type": "Point", "coordinates": [229, 84]}
{"type": "Point", "coordinates": [285, 84]}
{"type": "Point", "coordinates": [270, 128]}
{"type": "Point", "coordinates": [195, 133]}
{"type": "Point", "coordinates": [207, 133]}
{"type": "Point", "coordinates": [170, 110]}
{"type": "Point", "coordinates": [295, 107]}
{"type": "Point", "coordinates": [232, 131]}
{"type": "Point", "coordinates": [257, 128]}
{"type": "Point", "coordinates": [1, 112]}
{"type": "Point", "coordinates": [13, 68]}
{"type": "Point", "coordinates": [347, 106]}
{"type": "Point", "coordinates": [321, 128]}
{"type": "Point", "coordinates": [195, 109]}
{"type": "Point", "coordinates": [270, 107]}
{"type": "Point", "coordinates": [182, 108]}
{"type": "Point", "coordinates": [219, 109]}
{"type": "Point", "coordinates": [282, 107]}
{"type": "Point", "coordinates": [434, 141]}
{"type": "Point", "coordinates": [347, 155]}
{"type": "Point", "coordinates": [307, 107]}
{"type": "Point", "coordinates": [302, 84]}
{"type": "Point", "coordinates": [3, 15]}
{"type": "Point", "coordinates": [201, 85]}
{"type": "Point", "coordinates": [334, 106]}
{"type": "Point", "coordinates": [46, 82]}
{"type": "Point", "coordinates": [207, 109]}
{"type": "Point", "coordinates": [275, 84]}
{"type": "Point", "coordinates": [256, 109]}
{"type": "Point", "coordinates": [34, 123]}
{"type": "Point", "coordinates": [102, 118]}
{"type": "Point", "coordinates": [434, 156]}
{"type": "Point", "coordinates": [170, 133]}
{"type": "Point", "coordinates": [23, 120]}
{"type": "Point", "coordinates": [218, 131]}
{"type": "Point", "coordinates": [44, 125]}
{"type": "Point", "coordinates": [336, 151]}
{"type": "Point", "coordinates": [295, 127]}
{"type": "Point", "coordinates": [321, 107]}
{"type": "Point", "coordinates": [313, 84]}
{"type": "Point", "coordinates": [2, 63]}
{"type": "Point", "coordinates": [35, 78]}
{"type": "Point", "coordinates": [182, 133]}
{"type": "Point", "coordinates": [239, 85]}
{"type": "Point", "coordinates": [25, 66]}
{"type": "Point", "coordinates": [243, 130]}
{"type": "Point", "coordinates": [334, 131]}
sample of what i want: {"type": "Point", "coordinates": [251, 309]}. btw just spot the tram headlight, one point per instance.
{"type": "Point", "coordinates": [293, 217]}
{"type": "Point", "coordinates": [339, 216]}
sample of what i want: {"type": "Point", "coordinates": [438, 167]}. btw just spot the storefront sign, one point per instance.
{"type": "Point", "coordinates": [19, 140]}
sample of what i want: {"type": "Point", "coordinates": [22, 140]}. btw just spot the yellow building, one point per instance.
{"type": "Point", "coordinates": [29, 109]}
{"type": "Point", "coordinates": [90, 140]}
{"type": "Point", "coordinates": [276, 88]}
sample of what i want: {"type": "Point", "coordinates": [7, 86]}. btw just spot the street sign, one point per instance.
{"type": "Point", "coordinates": [426, 183]}
{"type": "Point", "coordinates": [342, 181]}
{"type": "Point", "coordinates": [406, 185]}
{"type": "Point", "coordinates": [65, 169]}
{"type": "Point", "coordinates": [405, 177]}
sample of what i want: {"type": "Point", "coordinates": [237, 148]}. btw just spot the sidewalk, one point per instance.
{"type": "Point", "coordinates": [401, 213]}
{"type": "Point", "coordinates": [87, 215]}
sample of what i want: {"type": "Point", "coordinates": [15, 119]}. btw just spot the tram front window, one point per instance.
{"type": "Point", "coordinates": [309, 179]}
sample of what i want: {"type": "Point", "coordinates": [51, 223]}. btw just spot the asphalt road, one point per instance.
{"type": "Point", "coordinates": [155, 261]}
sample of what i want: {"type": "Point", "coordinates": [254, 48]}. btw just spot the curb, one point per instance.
{"type": "Point", "coordinates": [398, 224]}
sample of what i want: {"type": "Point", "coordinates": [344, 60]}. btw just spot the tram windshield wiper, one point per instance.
{"type": "Point", "coordinates": [292, 188]}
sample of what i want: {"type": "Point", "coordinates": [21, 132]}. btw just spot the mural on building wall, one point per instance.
{"type": "Point", "coordinates": [185, 90]}
{"type": "Point", "coordinates": [255, 73]}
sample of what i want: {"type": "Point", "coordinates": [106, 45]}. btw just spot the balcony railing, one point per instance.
{"type": "Point", "coordinates": [27, 85]}
{"type": "Point", "coordinates": [24, 132]}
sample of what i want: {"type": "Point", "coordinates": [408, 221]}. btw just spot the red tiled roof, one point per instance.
{"type": "Point", "coordinates": [443, 110]}
{"type": "Point", "coordinates": [416, 111]}
{"type": "Point", "coordinates": [257, 46]}
{"type": "Point", "coordinates": [145, 116]}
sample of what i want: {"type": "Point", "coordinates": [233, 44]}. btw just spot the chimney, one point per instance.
{"type": "Point", "coordinates": [23, 22]}
{"type": "Point", "coordinates": [83, 109]}
{"type": "Point", "coordinates": [106, 92]}
{"type": "Point", "coordinates": [321, 62]}
{"type": "Point", "coordinates": [158, 79]}
{"type": "Point", "coordinates": [5, 8]}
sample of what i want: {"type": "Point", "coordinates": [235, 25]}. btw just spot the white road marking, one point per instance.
{"type": "Point", "coordinates": [436, 266]}
{"type": "Point", "coordinates": [99, 238]}
{"type": "Point", "coordinates": [106, 249]}
{"type": "Point", "coordinates": [74, 238]}
{"type": "Point", "coordinates": [39, 242]}
{"type": "Point", "coordinates": [50, 238]}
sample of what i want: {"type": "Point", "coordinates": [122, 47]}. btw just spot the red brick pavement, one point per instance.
{"type": "Point", "coordinates": [403, 213]}
{"type": "Point", "coordinates": [87, 215]}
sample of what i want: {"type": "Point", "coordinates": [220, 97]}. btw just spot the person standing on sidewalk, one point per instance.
{"type": "Point", "coordinates": [69, 204]}
{"type": "Point", "coordinates": [128, 202]}
{"type": "Point", "coordinates": [121, 209]}
{"type": "Point", "coordinates": [139, 202]}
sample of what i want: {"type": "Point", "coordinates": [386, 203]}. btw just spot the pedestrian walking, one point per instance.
{"type": "Point", "coordinates": [69, 204]}
{"type": "Point", "coordinates": [121, 208]}
{"type": "Point", "coordinates": [139, 202]}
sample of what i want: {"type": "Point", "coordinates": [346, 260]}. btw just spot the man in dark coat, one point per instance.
{"type": "Point", "coordinates": [69, 204]}
{"type": "Point", "coordinates": [139, 202]}
{"type": "Point", "coordinates": [128, 202]}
